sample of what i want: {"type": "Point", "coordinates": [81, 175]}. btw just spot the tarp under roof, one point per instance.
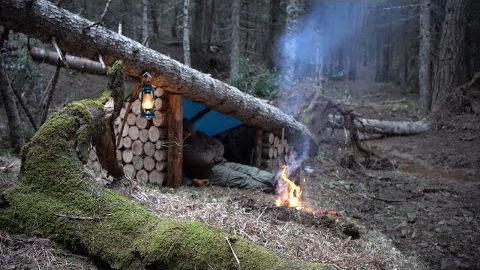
{"type": "Point", "coordinates": [213, 122]}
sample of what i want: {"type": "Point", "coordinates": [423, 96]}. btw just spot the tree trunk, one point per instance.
{"type": "Point", "coordinates": [424, 57]}
{"type": "Point", "coordinates": [13, 118]}
{"type": "Point", "coordinates": [76, 63]}
{"type": "Point", "coordinates": [72, 209]}
{"type": "Point", "coordinates": [450, 63]}
{"type": "Point", "coordinates": [186, 34]}
{"type": "Point", "coordinates": [235, 46]}
{"type": "Point", "coordinates": [294, 12]}
{"type": "Point", "coordinates": [44, 20]}
{"type": "Point", "coordinates": [145, 23]}
{"type": "Point", "coordinates": [48, 95]}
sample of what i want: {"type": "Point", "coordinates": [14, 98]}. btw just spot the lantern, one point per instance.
{"type": "Point", "coordinates": [148, 103]}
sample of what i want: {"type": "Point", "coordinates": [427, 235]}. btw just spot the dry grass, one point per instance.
{"type": "Point", "coordinates": [249, 214]}
{"type": "Point", "coordinates": [37, 253]}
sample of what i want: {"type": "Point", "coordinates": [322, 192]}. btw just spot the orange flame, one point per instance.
{"type": "Point", "coordinates": [292, 199]}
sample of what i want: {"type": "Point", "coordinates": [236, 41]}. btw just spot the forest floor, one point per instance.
{"type": "Point", "coordinates": [421, 213]}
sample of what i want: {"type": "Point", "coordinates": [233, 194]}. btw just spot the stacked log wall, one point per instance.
{"type": "Point", "coordinates": [142, 149]}
{"type": "Point", "coordinates": [276, 151]}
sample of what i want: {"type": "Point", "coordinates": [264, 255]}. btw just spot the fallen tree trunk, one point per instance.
{"type": "Point", "coordinates": [391, 128]}
{"type": "Point", "coordinates": [43, 20]}
{"type": "Point", "coordinates": [55, 197]}
{"type": "Point", "coordinates": [75, 63]}
{"type": "Point", "coordinates": [383, 127]}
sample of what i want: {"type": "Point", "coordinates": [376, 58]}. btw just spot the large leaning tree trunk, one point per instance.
{"type": "Point", "coordinates": [56, 197]}
{"type": "Point", "coordinates": [43, 20]}
{"type": "Point", "coordinates": [449, 68]}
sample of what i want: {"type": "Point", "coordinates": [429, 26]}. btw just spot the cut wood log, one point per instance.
{"type": "Point", "coordinates": [141, 122]}
{"type": "Point", "coordinates": [137, 148]}
{"type": "Point", "coordinates": [267, 152]}
{"type": "Point", "coordinates": [161, 105]}
{"type": "Point", "coordinates": [119, 155]}
{"type": "Point", "coordinates": [160, 166]}
{"type": "Point", "coordinates": [276, 141]}
{"type": "Point", "coordinates": [156, 177]}
{"type": "Point", "coordinates": [129, 171]}
{"type": "Point", "coordinates": [148, 164]}
{"type": "Point", "coordinates": [149, 149]}
{"type": "Point", "coordinates": [153, 134]}
{"type": "Point", "coordinates": [127, 156]}
{"type": "Point", "coordinates": [131, 119]}
{"type": "Point", "coordinates": [280, 150]}
{"type": "Point", "coordinates": [133, 133]}
{"type": "Point", "coordinates": [44, 20]}
{"type": "Point", "coordinates": [388, 128]}
{"type": "Point", "coordinates": [161, 155]}
{"type": "Point", "coordinates": [268, 137]}
{"type": "Point", "coordinates": [142, 175]}
{"type": "Point", "coordinates": [160, 93]}
{"type": "Point", "coordinates": [137, 162]}
{"type": "Point", "coordinates": [392, 128]}
{"type": "Point", "coordinates": [143, 135]}
{"type": "Point", "coordinates": [160, 120]}
{"type": "Point", "coordinates": [125, 130]}
{"type": "Point", "coordinates": [123, 112]}
{"type": "Point", "coordinates": [118, 120]}
{"type": "Point", "coordinates": [137, 107]}
{"type": "Point", "coordinates": [127, 142]}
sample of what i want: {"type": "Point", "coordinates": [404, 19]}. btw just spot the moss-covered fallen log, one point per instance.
{"type": "Point", "coordinates": [55, 197]}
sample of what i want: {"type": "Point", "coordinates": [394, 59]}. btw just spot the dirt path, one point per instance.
{"type": "Point", "coordinates": [429, 205]}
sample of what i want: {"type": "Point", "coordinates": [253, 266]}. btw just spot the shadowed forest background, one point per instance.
{"type": "Point", "coordinates": [326, 63]}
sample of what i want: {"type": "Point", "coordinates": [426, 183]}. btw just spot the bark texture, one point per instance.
{"type": "Point", "coordinates": [14, 124]}
{"type": "Point", "coordinates": [42, 19]}
{"type": "Point", "coordinates": [186, 34]}
{"type": "Point", "coordinates": [235, 46]}
{"type": "Point", "coordinates": [424, 57]}
{"type": "Point", "coordinates": [450, 64]}
{"type": "Point", "coordinates": [76, 63]}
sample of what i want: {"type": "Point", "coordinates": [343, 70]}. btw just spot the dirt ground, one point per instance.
{"type": "Point", "coordinates": [429, 203]}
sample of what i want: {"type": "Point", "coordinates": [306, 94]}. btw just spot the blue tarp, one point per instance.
{"type": "Point", "coordinates": [213, 122]}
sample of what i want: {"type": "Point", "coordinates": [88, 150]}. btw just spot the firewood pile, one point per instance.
{"type": "Point", "coordinates": [142, 148]}
{"type": "Point", "coordinates": [275, 151]}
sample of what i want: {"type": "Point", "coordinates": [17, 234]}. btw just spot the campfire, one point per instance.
{"type": "Point", "coordinates": [290, 197]}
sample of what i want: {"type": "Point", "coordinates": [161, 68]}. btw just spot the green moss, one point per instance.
{"type": "Point", "coordinates": [118, 64]}
{"type": "Point", "coordinates": [54, 198]}
{"type": "Point", "coordinates": [105, 96]}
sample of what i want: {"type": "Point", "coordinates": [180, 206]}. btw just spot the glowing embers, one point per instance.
{"type": "Point", "coordinates": [290, 197]}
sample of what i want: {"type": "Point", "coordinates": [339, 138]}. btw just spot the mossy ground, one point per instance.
{"type": "Point", "coordinates": [54, 198]}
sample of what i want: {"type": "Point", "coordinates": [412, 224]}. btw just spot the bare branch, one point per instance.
{"type": "Point", "coordinates": [47, 98]}
{"type": "Point", "coordinates": [59, 52]}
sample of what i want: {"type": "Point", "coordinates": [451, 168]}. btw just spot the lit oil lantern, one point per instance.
{"type": "Point", "coordinates": [148, 103]}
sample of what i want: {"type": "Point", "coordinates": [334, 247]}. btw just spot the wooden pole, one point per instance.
{"type": "Point", "coordinates": [258, 147]}
{"type": "Point", "coordinates": [175, 134]}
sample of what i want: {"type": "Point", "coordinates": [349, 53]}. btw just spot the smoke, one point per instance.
{"type": "Point", "coordinates": [325, 29]}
